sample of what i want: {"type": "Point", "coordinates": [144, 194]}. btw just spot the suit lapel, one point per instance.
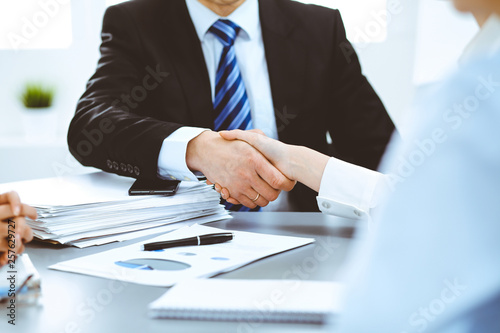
{"type": "Point", "coordinates": [286, 61]}
{"type": "Point", "coordinates": [187, 57]}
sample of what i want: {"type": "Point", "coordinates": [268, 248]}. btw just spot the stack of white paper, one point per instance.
{"type": "Point", "coordinates": [95, 208]}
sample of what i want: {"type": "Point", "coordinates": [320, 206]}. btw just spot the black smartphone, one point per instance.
{"type": "Point", "coordinates": [154, 186]}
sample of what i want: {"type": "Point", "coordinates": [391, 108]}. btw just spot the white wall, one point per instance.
{"type": "Point", "coordinates": [389, 65]}
{"type": "Point", "coordinates": [67, 69]}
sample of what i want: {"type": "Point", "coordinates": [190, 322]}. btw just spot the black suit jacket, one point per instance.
{"type": "Point", "coordinates": [152, 79]}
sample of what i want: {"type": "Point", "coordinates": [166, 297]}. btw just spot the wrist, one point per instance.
{"type": "Point", "coordinates": [308, 166]}
{"type": "Point", "coordinates": [298, 161]}
{"type": "Point", "coordinates": [196, 148]}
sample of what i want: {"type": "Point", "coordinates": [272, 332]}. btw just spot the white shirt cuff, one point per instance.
{"type": "Point", "coordinates": [348, 190]}
{"type": "Point", "coordinates": [172, 157]}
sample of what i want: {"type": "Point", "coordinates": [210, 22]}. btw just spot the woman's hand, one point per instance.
{"type": "Point", "coordinates": [14, 232]}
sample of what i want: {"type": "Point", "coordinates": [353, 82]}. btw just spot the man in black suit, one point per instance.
{"type": "Point", "coordinates": [155, 80]}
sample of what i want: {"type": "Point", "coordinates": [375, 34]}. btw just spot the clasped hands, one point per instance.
{"type": "Point", "coordinates": [246, 167]}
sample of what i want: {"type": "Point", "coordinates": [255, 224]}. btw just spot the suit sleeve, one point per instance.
{"type": "Point", "coordinates": [361, 127]}
{"type": "Point", "coordinates": [109, 130]}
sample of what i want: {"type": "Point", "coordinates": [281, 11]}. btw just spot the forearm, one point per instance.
{"type": "Point", "coordinates": [307, 166]}
{"type": "Point", "coordinates": [115, 140]}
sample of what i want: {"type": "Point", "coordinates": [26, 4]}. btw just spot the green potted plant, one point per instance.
{"type": "Point", "coordinates": [39, 118]}
{"type": "Point", "coordinates": [37, 97]}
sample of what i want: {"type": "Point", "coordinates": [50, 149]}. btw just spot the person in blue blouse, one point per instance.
{"type": "Point", "coordinates": [430, 262]}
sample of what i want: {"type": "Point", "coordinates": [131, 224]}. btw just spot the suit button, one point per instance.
{"type": "Point", "coordinates": [109, 164]}
{"type": "Point", "coordinates": [137, 171]}
{"type": "Point", "coordinates": [130, 169]}
{"type": "Point", "coordinates": [115, 166]}
{"type": "Point", "coordinates": [123, 167]}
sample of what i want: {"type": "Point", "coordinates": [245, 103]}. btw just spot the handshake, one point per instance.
{"type": "Point", "coordinates": [251, 169]}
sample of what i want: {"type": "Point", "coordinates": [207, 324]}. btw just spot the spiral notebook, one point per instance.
{"type": "Point", "coordinates": [290, 301]}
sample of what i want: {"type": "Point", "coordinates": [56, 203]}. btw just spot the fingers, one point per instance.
{"type": "Point", "coordinates": [224, 192]}
{"type": "Point", "coordinates": [274, 178]}
{"type": "Point", "coordinates": [4, 259]}
{"type": "Point", "coordinates": [233, 201]}
{"type": "Point", "coordinates": [12, 198]}
{"type": "Point", "coordinates": [7, 212]}
{"type": "Point", "coordinates": [255, 138]}
{"type": "Point", "coordinates": [27, 234]}
{"type": "Point", "coordinates": [19, 248]}
{"type": "Point", "coordinates": [262, 187]}
{"type": "Point", "coordinates": [247, 136]}
{"type": "Point", "coordinates": [3, 236]}
{"type": "Point", "coordinates": [257, 199]}
{"type": "Point", "coordinates": [14, 234]}
{"type": "Point", "coordinates": [259, 193]}
{"type": "Point", "coordinates": [258, 131]}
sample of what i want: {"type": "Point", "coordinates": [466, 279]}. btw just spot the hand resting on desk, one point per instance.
{"type": "Point", "coordinates": [14, 232]}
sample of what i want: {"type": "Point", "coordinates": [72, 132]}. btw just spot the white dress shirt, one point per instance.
{"type": "Point", "coordinates": [432, 263]}
{"type": "Point", "coordinates": [348, 190]}
{"type": "Point", "coordinates": [250, 54]}
{"type": "Point", "coordinates": [249, 49]}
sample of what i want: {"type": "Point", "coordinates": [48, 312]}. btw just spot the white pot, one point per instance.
{"type": "Point", "coordinates": [40, 124]}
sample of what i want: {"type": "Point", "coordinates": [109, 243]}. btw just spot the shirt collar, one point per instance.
{"type": "Point", "coordinates": [246, 16]}
{"type": "Point", "coordinates": [486, 42]}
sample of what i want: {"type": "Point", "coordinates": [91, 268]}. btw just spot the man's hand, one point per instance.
{"type": "Point", "coordinates": [15, 233]}
{"type": "Point", "coordinates": [238, 167]}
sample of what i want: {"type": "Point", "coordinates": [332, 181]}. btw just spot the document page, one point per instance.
{"type": "Point", "coordinates": [164, 268]}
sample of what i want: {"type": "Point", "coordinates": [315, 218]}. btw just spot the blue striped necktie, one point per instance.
{"type": "Point", "coordinates": [231, 105]}
{"type": "Point", "coordinates": [232, 109]}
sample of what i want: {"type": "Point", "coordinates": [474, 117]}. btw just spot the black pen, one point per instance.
{"type": "Point", "coordinates": [191, 241]}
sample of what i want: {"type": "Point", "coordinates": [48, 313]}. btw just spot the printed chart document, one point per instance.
{"type": "Point", "coordinates": [95, 208]}
{"type": "Point", "coordinates": [165, 268]}
{"type": "Point", "coordinates": [246, 301]}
